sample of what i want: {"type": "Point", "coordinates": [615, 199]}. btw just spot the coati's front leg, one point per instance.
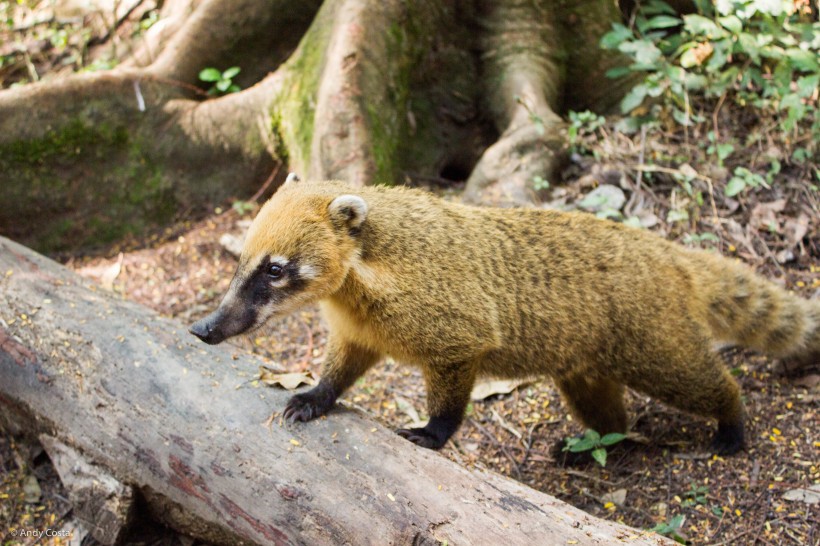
{"type": "Point", "coordinates": [448, 393]}
{"type": "Point", "coordinates": [344, 364]}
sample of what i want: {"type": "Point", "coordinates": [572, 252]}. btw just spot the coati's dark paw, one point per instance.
{"type": "Point", "coordinates": [728, 440]}
{"type": "Point", "coordinates": [421, 437]}
{"type": "Point", "coordinates": [309, 405]}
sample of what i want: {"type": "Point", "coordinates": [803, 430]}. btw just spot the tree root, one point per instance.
{"type": "Point", "coordinates": [508, 172]}
{"type": "Point", "coordinates": [363, 90]}
{"type": "Point", "coordinates": [533, 50]}
{"type": "Point", "coordinates": [523, 75]}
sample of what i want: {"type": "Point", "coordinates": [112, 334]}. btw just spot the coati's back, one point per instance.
{"type": "Point", "coordinates": [462, 291]}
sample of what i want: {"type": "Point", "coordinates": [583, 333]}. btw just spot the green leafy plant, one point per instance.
{"type": "Point", "coordinates": [743, 178]}
{"type": "Point", "coordinates": [695, 495]}
{"type": "Point", "coordinates": [593, 442]}
{"type": "Point", "coordinates": [699, 239]}
{"type": "Point", "coordinates": [670, 528]}
{"type": "Point", "coordinates": [222, 81]}
{"type": "Point", "coordinates": [677, 215]}
{"type": "Point", "coordinates": [760, 54]}
{"type": "Point", "coordinates": [581, 123]}
{"type": "Point", "coordinates": [721, 150]}
{"type": "Point", "coordinates": [148, 20]}
{"type": "Point", "coordinates": [539, 183]}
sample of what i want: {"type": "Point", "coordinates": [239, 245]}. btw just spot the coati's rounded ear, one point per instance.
{"type": "Point", "coordinates": [292, 177]}
{"type": "Point", "coordinates": [348, 210]}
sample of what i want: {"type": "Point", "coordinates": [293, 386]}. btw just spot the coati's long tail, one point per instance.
{"type": "Point", "coordinates": [750, 311]}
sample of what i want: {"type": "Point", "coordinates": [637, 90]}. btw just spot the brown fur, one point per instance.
{"type": "Point", "coordinates": [463, 292]}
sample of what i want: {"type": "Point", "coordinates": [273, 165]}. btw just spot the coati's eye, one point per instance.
{"type": "Point", "coordinates": [275, 271]}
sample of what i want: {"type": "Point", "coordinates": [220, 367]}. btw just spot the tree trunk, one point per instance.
{"type": "Point", "coordinates": [364, 90]}
{"type": "Point", "coordinates": [131, 393]}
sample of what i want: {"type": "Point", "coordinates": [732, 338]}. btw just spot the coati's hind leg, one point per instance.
{"type": "Point", "coordinates": [448, 393]}
{"type": "Point", "coordinates": [697, 382]}
{"type": "Point", "coordinates": [597, 402]}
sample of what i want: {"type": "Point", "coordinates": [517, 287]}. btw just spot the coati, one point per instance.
{"type": "Point", "coordinates": [464, 292]}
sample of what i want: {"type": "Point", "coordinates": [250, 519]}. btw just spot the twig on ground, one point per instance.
{"type": "Point", "coordinates": [769, 253]}
{"type": "Point", "coordinates": [506, 426]}
{"type": "Point", "coordinates": [516, 470]}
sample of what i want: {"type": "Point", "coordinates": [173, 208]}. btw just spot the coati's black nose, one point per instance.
{"type": "Point", "coordinates": [206, 331]}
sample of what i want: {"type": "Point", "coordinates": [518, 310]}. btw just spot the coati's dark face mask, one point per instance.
{"type": "Point", "coordinates": [273, 286]}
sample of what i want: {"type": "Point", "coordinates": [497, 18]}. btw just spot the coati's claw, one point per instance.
{"type": "Point", "coordinates": [309, 405]}
{"type": "Point", "coordinates": [728, 440]}
{"type": "Point", "coordinates": [420, 437]}
{"type": "Point", "coordinates": [299, 409]}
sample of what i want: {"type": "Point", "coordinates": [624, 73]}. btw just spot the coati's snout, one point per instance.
{"type": "Point", "coordinates": [227, 321]}
{"type": "Point", "coordinates": [257, 292]}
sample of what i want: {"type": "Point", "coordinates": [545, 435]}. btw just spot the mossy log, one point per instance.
{"type": "Point", "coordinates": [176, 424]}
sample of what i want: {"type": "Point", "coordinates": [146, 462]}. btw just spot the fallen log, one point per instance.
{"type": "Point", "coordinates": [160, 415]}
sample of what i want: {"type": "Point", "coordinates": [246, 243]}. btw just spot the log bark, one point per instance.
{"type": "Point", "coordinates": [179, 423]}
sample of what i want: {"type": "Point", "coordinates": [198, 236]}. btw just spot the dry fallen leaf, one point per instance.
{"type": "Point", "coordinates": [31, 488]}
{"type": "Point", "coordinates": [810, 495]}
{"type": "Point", "coordinates": [795, 229]}
{"type": "Point", "coordinates": [407, 408]}
{"type": "Point", "coordinates": [765, 215]}
{"type": "Point", "coordinates": [288, 381]}
{"type": "Point", "coordinates": [105, 274]}
{"type": "Point", "coordinates": [617, 497]}
{"type": "Point", "coordinates": [485, 389]}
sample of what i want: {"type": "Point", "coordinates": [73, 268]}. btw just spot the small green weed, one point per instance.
{"type": "Point", "coordinates": [222, 81]}
{"type": "Point", "coordinates": [539, 183]}
{"type": "Point", "coordinates": [243, 207]}
{"type": "Point", "coordinates": [593, 442]}
{"type": "Point", "coordinates": [670, 528]}
{"type": "Point", "coordinates": [695, 495]}
{"type": "Point", "coordinates": [581, 123]}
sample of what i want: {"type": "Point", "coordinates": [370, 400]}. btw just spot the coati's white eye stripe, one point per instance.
{"type": "Point", "coordinates": [308, 271]}
{"type": "Point", "coordinates": [281, 260]}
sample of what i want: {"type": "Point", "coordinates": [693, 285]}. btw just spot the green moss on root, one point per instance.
{"type": "Point", "coordinates": [70, 140]}
{"type": "Point", "coordinates": [387, 123]}
{"type": "Point", "coordinates": [294, 111]}
{"type": "Point", "coordinates": [58, 206]}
